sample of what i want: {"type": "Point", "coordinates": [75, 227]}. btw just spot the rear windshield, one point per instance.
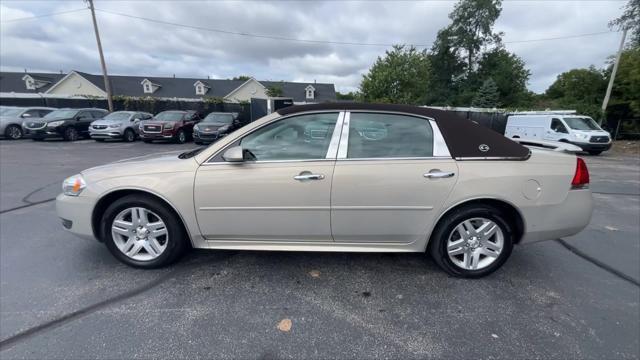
{"type": "Point", "coordinates": [581, 123]}
{"type": "Point", "coordinates": [60, 114]}
{"type": "Point", "coordinates": [169, 116]}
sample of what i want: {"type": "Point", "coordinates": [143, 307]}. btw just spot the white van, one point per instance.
{"type": "Point", "coordinates": [564, 126]}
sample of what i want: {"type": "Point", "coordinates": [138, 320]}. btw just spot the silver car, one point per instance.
{"type": "Point", "coordinates": [11, 119]}
{"type": "Point", "coordinates": [118, 125]}
{"type": "Point", "coordinates": [337, 177]}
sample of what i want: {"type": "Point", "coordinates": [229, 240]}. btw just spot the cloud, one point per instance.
{"type": "Point", "coordinates": [136, 47]}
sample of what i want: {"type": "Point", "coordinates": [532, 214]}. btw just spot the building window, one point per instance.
{"type": "Point", "coordinates": [199, 90]}
{"type": "Point", "coordinates": [310, 91]}
{"type": "Point", "coordinates": [147, 88]}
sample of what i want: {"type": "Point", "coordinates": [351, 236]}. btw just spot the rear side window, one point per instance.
{"type": "Point", "coordinates": [389, 136]}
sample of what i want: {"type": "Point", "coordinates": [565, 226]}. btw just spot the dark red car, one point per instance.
{"type": "Point", "coordinates": [173, 125]}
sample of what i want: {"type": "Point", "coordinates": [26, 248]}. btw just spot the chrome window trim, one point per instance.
{"type": "Point", "coordinates": [210, 161]}
{"type": "Point", "coordinates": [440, 149]}
{"type": "Point", "coordinates": [332, 151]}
{"type": "Point", "coordinates": [344, 137]}
{"type": "Point", "coordinates": [267, 162]}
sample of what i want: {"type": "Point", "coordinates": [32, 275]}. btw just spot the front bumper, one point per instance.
{"type": "Point", "coordinates": [207, 137]}
{"type": "Point", "coordinates": [549, 222]}
{"type": "Point", "coordinates": [594, 146]}
{"type": "Point", "coordinates": [43, 133]}
{"type": "Point", "coordinates": [75, 213]}
{"type": "Point", "coordinates": [164, 135]}
{"type": "Point", "coordinates": [105, 133]}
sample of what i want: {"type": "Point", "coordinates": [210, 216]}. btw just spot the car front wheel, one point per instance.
{"type": "Point", "coordinates": [472, 241]}
{"type": "Point", "coordinates": [129, 135]}
{"type": "Point", "coordinates": [13, 132]}
{"type": "Point", "coordinates": [142, 232]}
{"type": "Point", "coordinates": [181, 137]}
{"type": "Point", "coordinates": [71, 134]}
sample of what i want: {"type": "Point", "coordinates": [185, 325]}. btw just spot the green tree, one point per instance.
{"type": "Point", "coordinates": [579, 89]}
{"type": "Point", "coordinates": [509, 73]}
{"type": "Point", "coordinates": [274, 91]}
{"type": "Point", "coordinates": [630, 19]}
{"type": "Point", "coordinates": [626, 88]}
{"type": "Point", "coordinates": [487, 96]}
{"type": "Point", "coordinates": [471, 27]}
{"type": "Point", "coordinates": [400, 76]}
{"type": "Point", "coordinates": [241, 77]}
{"type": "Point", "coordinates": [446, 70]}
{"type": "Point", "coordinates": [350, 96]}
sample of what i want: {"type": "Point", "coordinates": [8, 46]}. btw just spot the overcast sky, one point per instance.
{"type": "Point", "coordinates": [137, 47]}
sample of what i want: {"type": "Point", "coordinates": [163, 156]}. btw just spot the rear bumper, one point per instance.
{"type": "Point", "coordinates": [548, 222]}
{"type": "Point", "coordinates": [75, 213]}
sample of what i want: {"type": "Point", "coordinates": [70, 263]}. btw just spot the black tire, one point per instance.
{"type": "Point", "coordinates": [147, 141]}
{"type": "Point", "coordinates": [71, 134]}
{"type": "Point", "coordinates": [181, 137]}
{"type": "Point", "coordinates": [177, 242]}
{"type": "Point", "coordinates": [595, 152]}
{"type": "Point", "coordinates": [13, 132]}
{"type": "Point", "coordinates": [129, 135]}
{"type": "Point", "coordinates": [446, 226]}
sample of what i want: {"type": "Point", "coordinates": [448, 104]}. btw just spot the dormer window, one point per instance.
{"type": "Point", "coordinates": [149, 87]}
{"type": "Point", "coordinates": [310, 92]}
{"type": "Point", "coordinates": [32, 83]}
{"type": "Point", "coordinates": [201, 88]}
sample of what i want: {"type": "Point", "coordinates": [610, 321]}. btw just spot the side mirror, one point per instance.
{"type": "Point", "coordinates": [25, 115]}
{"type": "Point", "coordinates": [135, 119]}
{"type": "Point", "coordinates": [234, 154]}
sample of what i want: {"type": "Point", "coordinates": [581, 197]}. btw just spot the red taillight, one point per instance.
{"type": "Point", "coordinates": [581, 177]}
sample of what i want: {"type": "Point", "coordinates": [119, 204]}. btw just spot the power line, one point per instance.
{"type": "Point", "coordinates": [42, 15]}
{"type": "Point", "coordinates": [329, 42]}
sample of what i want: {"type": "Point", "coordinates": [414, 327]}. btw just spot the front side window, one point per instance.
{"type": "Point", "coordinates": [303, 137]}
{"type": "Point", "coordinates": [389, 136]}
{"type": "Point", "coordinates": [558, 126]}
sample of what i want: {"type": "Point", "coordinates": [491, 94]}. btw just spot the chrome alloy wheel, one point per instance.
{"type": "Point", "coordinates": [475, 243]}
{"type": "Point", "coordinates": [139, 233]}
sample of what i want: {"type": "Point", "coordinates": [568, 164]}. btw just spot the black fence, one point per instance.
{"type": "Point", "coordinates": [151, 106]}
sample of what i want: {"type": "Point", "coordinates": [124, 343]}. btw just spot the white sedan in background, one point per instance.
{"type": "Point", "coordinates": [337, 177]}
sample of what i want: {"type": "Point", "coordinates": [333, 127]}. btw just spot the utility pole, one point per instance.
{"type": "Point", "coordinates": [613, 76]}
{"type": "Point", "coordinates": [107, 85]}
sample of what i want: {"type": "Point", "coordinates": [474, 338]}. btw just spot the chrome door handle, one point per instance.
{"type": "Point", "coordinates": [437, 174]}
{"type": "Point", "coordinates": [309, 176]}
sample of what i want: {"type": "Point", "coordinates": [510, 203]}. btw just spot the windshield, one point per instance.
{"type": "Point", "coordinates": [117, 116]}
{"type": "Point", "coordinates": [169, 116]}
{"type": "Point", "coordinates": [10, 112]}
{"type": "Point", "coordinates": [581, 123]}
{"type": "Point", "coordinates": [219, 118]}
{"type": "Point", "coordinates": [60, 114]}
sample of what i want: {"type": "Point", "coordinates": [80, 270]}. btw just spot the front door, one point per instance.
{"type": "Point", "coordinates": [280, 193]}
{"type": "Point", "coordinates": [556, 131]}
{"type": "Point", "coordinates": [388, 184]}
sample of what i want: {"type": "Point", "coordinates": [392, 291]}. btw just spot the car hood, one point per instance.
{"type": "Point", "coordinates": [154, 163]}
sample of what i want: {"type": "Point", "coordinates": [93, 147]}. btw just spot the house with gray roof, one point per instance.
{"type": "Point", "coordinates": [81, 84]}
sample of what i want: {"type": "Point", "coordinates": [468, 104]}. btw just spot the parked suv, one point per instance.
{"type": "Point", "coordinates": [70, 124]}
{"type": "Point", "coordinates": [11, 119]}
{"type": "Point", "coordinates": [118, 125]}
{"type": "Point", "coordinates": [174, 125]}
{"type": "Point", "coordinates": [214, 126]}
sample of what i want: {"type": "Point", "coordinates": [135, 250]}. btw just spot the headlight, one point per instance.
{"type": "Point", "coordinates": [114, 126]}
{"type": "Point", "coordinates": [224, 128]}
{"type": "Point", "coordinates": [74, 185]}
{"type": "Point", "coordinates": [55, 123]}
{"type": "Point", "coordinates": [168, 126]}
{"type": "Point", "coordinates": [582, 136]}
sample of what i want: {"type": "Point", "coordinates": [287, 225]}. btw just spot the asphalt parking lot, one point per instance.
{"type": "Point", "coordinates": [65, 297]}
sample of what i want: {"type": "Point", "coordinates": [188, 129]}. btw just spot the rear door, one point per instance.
{"type": "Point", "coordinates": [83, 120]}
{"type": "Point", "coordinates": [392, 175]}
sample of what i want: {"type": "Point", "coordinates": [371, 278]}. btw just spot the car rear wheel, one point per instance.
{"type": "Point", "coordinates": [71, 134]}
{"type": "Point", "coordinates": [143, 232]}
{"type": "Point", "coordinates": [181, 137]}
{"type": "Point", "coordinates": [13, 132]}
{"type": "Point", "coordinates": [129, 135]}
{"type": "Point", "coordinates": [472, 241]}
